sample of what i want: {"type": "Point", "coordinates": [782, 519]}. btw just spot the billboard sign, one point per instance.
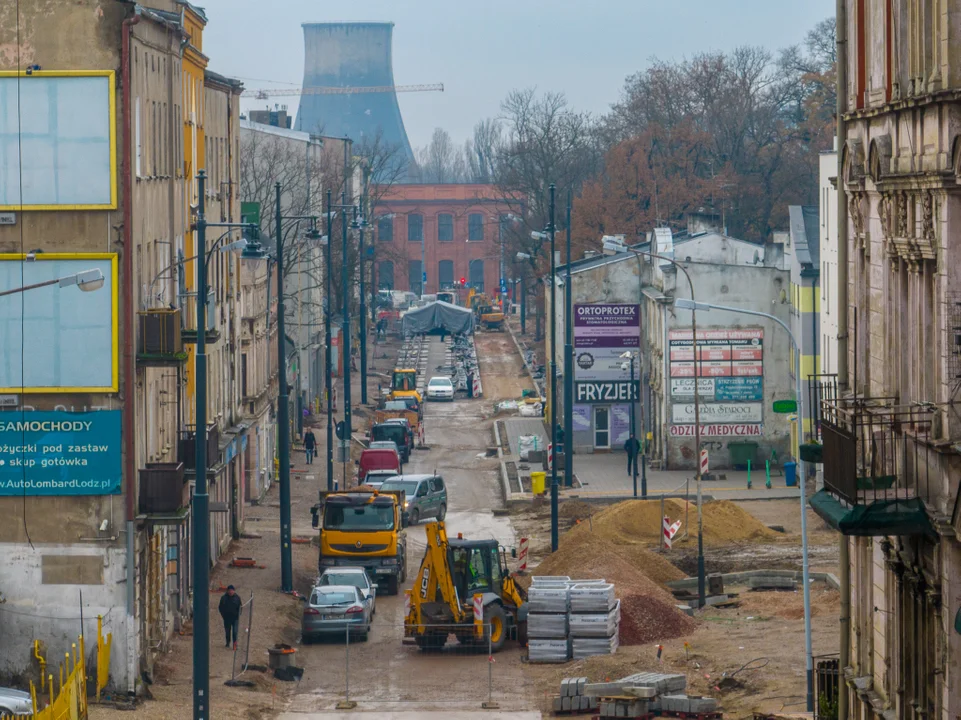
{"type": "Point", "coordinates": [602, 333]}
{"type": "Point", "coordinates": [725, 352]}
{"type": "Point", "coordinates": [718, 412]}
{"type": "Point", "coordinates": [606, 391]}
{"type": "Point", "coordinates": [710, 431]}
{"type": "Point", "coordinates": [58, 453]}
{"type": "Point", "coordinates": [723, 389]}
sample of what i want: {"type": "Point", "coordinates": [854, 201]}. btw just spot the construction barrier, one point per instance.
{"type": "Point", "coordinates": [62, 695]}
{"type": "Point", "coordinates": [522, 555]}
{"type": "Point", "coordinates": [103, 656]}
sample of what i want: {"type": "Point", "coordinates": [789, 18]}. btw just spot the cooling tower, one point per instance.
{"type": "Point", "coordinates": [351, 55]}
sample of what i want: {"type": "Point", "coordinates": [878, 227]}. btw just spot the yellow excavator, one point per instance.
{"type": "Point", "coordinates": [464, 588]}
{"type": "Point", "coordinates": [403, 383]}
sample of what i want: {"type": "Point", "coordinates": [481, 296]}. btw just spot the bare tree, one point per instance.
{"type": "Point", "coordinates": [481, 151]}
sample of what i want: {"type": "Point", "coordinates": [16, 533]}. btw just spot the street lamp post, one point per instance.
{"type": "Point", "coordinates": [568, 362]}
{"type": "Point", "coordinates": [362, 224]}
{"type": "Point", "coordinates": [328, 381]}
{"type": "Point", "coordinates": [620, 247]}
{"type": "Point", "coordinates": [86, 280]}
{"type": "Point", "coordinates": [805, 568]}
{"type": "Point", "coordinates": [554, 489]}
{"type": "Point", "coordinates": [283, 399]}
{"type": "Point", "coordinates": [283, 411]}
{"type": "Point", "coordinates": [201, 499]}
{"type": "Point", "coordinates": [345, 334]}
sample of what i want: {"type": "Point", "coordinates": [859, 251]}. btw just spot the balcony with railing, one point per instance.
{"type": "Point", "coordinates": [187, 447]}
{"type": "Point", "coordinates": [881, 468]}
{"type": "Point", "coordinates": [159, 341]}
{"type": "Point", "coordinates": [164, 496]}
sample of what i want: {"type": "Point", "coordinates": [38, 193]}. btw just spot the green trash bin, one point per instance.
{"type": "Point", "coordinates": [742, 453]}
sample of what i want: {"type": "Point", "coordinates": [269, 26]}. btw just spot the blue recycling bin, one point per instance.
{"type": "Point", "coordinates": [790, 474]}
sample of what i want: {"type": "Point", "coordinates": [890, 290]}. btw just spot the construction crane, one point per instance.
{"type": "Point", "coordinates": [266, 93]}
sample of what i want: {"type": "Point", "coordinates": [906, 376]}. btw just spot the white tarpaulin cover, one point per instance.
{"type": "Point", "coordinates": [438, 316]}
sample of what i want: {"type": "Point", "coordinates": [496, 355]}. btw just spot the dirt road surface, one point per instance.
{"type": "Point", "coordinates": [384, 674]}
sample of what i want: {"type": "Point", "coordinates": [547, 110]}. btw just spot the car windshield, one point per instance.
{"type": "Point", "coordinates": [408, 486]}
{"type": "Point", "coordinates": [359, 518]}
{"type": "Point", "coordinates": [440, 381]}
{"type": "Point", "coordinates": [332, 597]}
{"type": "Point", "coordinates": [352, 578]}
{"type": "Point", "coordinates": [395, 405]}
{"type": "Point", "coordinates": [394, 433]}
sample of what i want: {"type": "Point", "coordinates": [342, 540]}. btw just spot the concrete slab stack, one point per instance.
{"type": "Point", "coordinates": [586, 614]}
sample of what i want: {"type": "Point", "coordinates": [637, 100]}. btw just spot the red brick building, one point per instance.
{"type": "Point", "coordinates": [456, 230]}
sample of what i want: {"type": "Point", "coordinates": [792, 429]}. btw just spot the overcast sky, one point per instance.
{"type": "Point", "coordinates": [481, 50]}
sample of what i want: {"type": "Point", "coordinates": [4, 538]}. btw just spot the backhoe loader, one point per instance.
{"type": "Point", "coordinates": [464, 588]}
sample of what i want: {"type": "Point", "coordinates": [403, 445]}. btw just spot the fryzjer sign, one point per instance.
{"type": "Point", "coordinates": [609, 391]}
{"type": "Point", "coordinates": [60, 453]}
{"type": "Point", "coordinates": [736, 430]}
{"type": "Point", "coordinates": [602, 333]}
{"type": "Point", "coordinates": [718, 412]}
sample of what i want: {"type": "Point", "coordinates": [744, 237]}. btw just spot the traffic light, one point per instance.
{"type": "Point", "coordinates": [463, 281]}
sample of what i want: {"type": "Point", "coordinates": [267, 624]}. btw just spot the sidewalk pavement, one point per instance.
{"type": "Point", "coordinates": [517, 426]}
{"type": "Point", "coordinates": [605, 474]}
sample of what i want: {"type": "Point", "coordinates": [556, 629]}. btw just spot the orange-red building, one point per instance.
{"type": "Point", "coordinates": [448, 232]}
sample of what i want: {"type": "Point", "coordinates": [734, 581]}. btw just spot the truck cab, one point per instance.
{"type": "Point", "coordinates": [364, 527]}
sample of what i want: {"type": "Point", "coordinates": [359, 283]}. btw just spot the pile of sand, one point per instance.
{"type": "Point", "coordinates": [640, 521]}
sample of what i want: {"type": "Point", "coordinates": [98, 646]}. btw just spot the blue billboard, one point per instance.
{"type": "Point", "coordinates": [60, 453]}
{"type": "Point", "coordinates": [738, 389]}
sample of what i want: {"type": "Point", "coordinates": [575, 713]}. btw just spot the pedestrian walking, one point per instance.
{"type": "Point", "coordinates": [631, 447]}
{"type": "Point", "coordinates": [310, 445]}
{"type": "Point", "coordinates": [230, 606]}
{"type": "Point", "coordinates": [470, 384]}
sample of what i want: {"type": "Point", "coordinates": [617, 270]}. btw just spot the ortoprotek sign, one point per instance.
{"type": "Point", "coordinates": [60, 453]}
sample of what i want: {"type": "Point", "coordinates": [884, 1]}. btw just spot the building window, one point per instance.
{"type": "Point", "coordinates": [445, 227]}
{"type": "Point", "coordinates": [385, 275]}
{"type": "Point", "coordinates": [414, 278]}
{"type": "Point", "coordinates": [415, 228]}
{"type": "Point", "coordinates": [385, 229]}
{"type": "Point", "coordinates": [445, 274]}
{"type": "Point", "coordinates": [475, 227]}
{"type": "Point", "coordinates": [476, 275]}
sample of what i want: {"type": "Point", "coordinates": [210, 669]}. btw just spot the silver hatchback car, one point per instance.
{"type": "Point", "coordinates": [334, 611]}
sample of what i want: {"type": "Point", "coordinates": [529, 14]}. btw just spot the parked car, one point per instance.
{"type": "Point", "coordinates": [440, 388]}
{"type": "Point", "coordinates": [377, 459]}
{"type": "Point", "coordinates": [398, 434]}
{"type": "Point", "coordinates": [356, 576]}
{"type": "Point", "coordinates": [409, 428]}
{"type": "Point", "coordinates": [335, 610]}
{"type": "Point", "coordinates": [426, 495]}
{"type": "Point", "coordinates": [15, 703]}
{"type": "Point", "coordinates": [383, 445]}
{"type": "Point", "coordinates": [376, 478]}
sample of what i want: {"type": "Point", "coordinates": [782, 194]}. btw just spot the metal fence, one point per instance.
{"type": "Point", "coordinates": [826, 687]}
{"type": "Point", "coordinates": [62, 693]}
{"type": "Point", "coordinates": [388, 668]}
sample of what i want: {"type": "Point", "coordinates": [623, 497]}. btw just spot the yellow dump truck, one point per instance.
{"type": "Point", "coordinates": [364, 527]}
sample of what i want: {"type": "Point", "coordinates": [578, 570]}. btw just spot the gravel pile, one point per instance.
{"type": "Point", "coordinates": [647, 619]}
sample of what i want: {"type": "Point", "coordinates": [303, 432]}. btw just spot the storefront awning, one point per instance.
{"type": "Point", "coordinates": [884, 517]}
